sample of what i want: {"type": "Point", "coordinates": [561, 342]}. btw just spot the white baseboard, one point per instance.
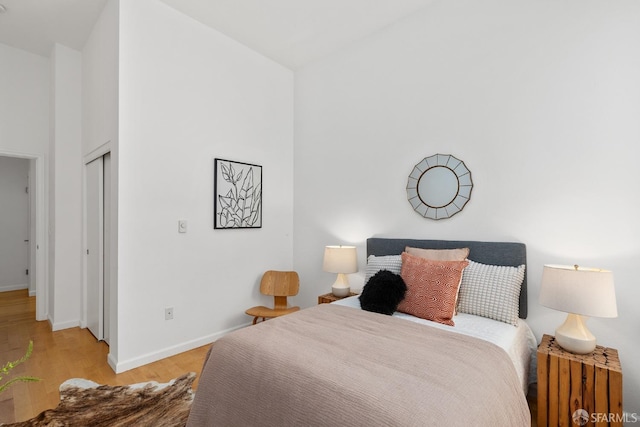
{"type": "Point", "coordinates": [113, 363]}
{"type": "Point", "coordinates": [126, 365]}
{"type": "Point", "coordinates": [7, 288]}
{"type": "Point", "coordinates": [32, 293]}
{"type": "Point", "coordinates": [63, 325]}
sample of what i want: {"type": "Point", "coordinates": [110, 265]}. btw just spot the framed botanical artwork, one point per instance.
{"type": "Point", "coordinates": [237, 195]}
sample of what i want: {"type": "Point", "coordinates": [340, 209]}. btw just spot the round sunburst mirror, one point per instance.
{"type": "Point", "coordinates": [439, 186]}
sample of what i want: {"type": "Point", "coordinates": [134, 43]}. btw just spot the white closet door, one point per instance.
{"type": "Point", "coordinates": [95, 247]}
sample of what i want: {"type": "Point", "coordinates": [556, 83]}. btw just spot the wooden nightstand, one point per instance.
{"type": "Point", "coordinates": [329, 298]}
{"type": "Point", "coordinates": [570, 382]}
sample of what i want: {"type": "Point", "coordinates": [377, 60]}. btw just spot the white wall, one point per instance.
{"type": "Point", "coordinates": [24, 132]}
{"type": "Point", "coordinates": [188, 94]}
{"type": "Point", "coordinates": [65, 189]}
{"type": "Point", "coordinates": [24, 101]}
{"type": "Point", "coordinates": [540, 99]}
{"type": "Point", "coordinates": [14, 223]}
{"type": "Point", "coordinates": [100, 64]}
{"type": "Point", "coordinates": [100, 82]}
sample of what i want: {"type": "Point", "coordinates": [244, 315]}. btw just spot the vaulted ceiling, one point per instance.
{"type": "Point", "coordinates": [35, 25]}
{"type": "Point", "coordinates": [291, 32]}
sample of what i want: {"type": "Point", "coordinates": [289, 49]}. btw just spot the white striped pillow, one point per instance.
{"type": "Point", "coordinates": [491, 291]}
{"type": "Point", "coordinates": [393, 263]}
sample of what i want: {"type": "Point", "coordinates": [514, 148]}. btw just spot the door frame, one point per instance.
{"type": "Point", "coordinates": [38, 233]}
{"type": "Point", "coordinates": [93, 155]}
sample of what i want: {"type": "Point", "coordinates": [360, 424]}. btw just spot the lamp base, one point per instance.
{"type": "Point", "coordinates": [340, 292]}
{"type": "Point", "coordinates": [341, 286]}
{"type": "Point", "coordinates": [574, 336]}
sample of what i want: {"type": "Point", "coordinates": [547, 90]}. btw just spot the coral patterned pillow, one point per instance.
{"type": "Point", "coordinates": [432, 287]}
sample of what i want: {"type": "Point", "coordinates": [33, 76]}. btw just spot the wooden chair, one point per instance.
{"type": "Point", "coordinates": [280, 284]}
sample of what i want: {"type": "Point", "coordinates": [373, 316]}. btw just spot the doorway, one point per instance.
{"type": "Point", "coordinates": [14, 224]}
{"type": "Point", "coordinates": [98, 220]}
{"type": "Point", "coordinates": [32, 240]}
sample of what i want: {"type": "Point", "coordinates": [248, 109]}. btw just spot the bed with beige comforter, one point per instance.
{"type": "Point", "coordinates": [331, 365]}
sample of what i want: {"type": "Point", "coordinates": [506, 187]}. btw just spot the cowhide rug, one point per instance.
{"type": "Point", "coordinates": [85, 403]}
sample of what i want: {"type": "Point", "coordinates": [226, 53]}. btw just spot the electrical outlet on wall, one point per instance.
{"type": "Point", "coordinates": [168, 313]}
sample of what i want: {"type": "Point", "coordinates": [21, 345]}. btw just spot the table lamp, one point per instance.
{"type": "Point", "coordinates": [579, 292]}
{"type": "Point", "coordinates": [342, 260]}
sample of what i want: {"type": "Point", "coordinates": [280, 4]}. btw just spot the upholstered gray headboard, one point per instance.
{"type": "Point", "coordinates": [494, 253]}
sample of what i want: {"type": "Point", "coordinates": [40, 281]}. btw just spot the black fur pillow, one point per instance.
{"type": "Point", "coordinates": [383, 292]}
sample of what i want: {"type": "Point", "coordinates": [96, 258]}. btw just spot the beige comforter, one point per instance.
{"type": "Point", "coordinates": [338, 366]}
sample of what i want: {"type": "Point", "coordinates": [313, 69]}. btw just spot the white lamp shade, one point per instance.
{"type": "Point", "coordinates": [340, 259]}
{"type": "Point", "coordinates": [585, 291]}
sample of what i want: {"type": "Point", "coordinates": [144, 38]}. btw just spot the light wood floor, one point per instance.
{"type": "Point", "coordinates": [58, 356]}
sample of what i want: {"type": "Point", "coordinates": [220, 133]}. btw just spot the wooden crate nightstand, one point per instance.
{"type": "Point", "coordinates": [329, 298]}
{"type": "Point", "coordinates": [570, 382]}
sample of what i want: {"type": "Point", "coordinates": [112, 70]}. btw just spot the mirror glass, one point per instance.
{"type": "Point", "coordinates": [439, 186]}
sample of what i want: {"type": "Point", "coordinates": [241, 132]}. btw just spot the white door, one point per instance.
{"type": "Point", "coordinates": [95, 247]}
{"type": "Point", "coordinates": [14, 223]}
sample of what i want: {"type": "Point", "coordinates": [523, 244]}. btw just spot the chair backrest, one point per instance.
{"type": "Point", "coordinates": [280, 283]}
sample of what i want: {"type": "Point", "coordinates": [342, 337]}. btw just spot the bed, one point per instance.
{"type": "Point", "coordinates": [338, 365]}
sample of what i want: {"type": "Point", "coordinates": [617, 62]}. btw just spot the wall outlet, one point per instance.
{"type": "Point", "coordinates": [168, 313]}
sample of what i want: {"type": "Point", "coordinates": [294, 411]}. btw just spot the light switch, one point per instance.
{"type": "Point", "coordinates": [182, 226]}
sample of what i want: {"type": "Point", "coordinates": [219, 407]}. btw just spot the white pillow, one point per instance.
{"type": "Point", "coordinates": [393, 263]}
{"type": "Point", "coordinates": [491, 291]}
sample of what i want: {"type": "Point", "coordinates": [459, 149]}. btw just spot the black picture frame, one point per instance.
{"type": "Point", "coordinates": [237, 195]}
